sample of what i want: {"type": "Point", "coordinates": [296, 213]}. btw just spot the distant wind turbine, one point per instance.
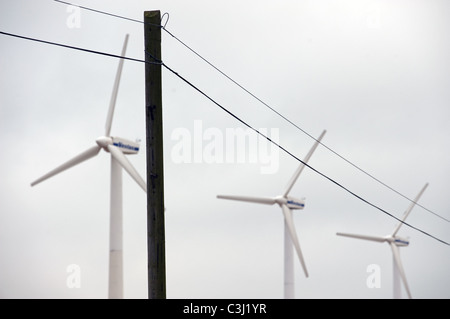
{"type": "Point", "coordinates": [117, 147]}
{"type": "Point", "coordinates": [394, 241]}
{"type": "Point", "coordinates": [287, 203]}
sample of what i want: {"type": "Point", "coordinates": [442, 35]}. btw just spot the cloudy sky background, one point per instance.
{"type": "Point", "coordinates": [374, 74]}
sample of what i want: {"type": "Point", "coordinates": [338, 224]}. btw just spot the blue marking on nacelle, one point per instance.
{"type": "Point", "coordinates": [295, 203]}
{"type": "Point", "coordinates": [129, 147]}
{"type": "Point", "coordinates": [401, 241]}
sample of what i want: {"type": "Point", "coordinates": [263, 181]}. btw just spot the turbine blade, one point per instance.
{"type": "Point", "coordinates": [365, 237]}
{"type": "Point", "coordinates": [290, 223]}
{"type": "Point", "coordinates": [411, 206]}
{"type": "Point", "coordinates": [123, 161]}
{"type": "Point", "coordinates": [91, 152]}
{"type": "Point", "coordinates": [302, 166]}
{"type": "Point", "coordinates": [112, 103]}
{"type": "Point", "coordinates": [259, 200]}
{"type": "Point", "coordinates": [398, 262]}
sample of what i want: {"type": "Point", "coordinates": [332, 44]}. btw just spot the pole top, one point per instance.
{"type": "Point", "coordinates": [152, 25]}
{"type": "Point", "coordinates": [152, 14]}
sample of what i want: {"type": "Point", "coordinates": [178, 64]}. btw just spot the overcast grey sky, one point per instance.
{"type": "Point", "coordinates": [374, 74]}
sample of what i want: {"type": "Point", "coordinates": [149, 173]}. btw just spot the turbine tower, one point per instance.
{"type": "Point", "coordinates": [287, 203]}
{"type": "Point", "coordinates": [117, 147]}
{"type": "Point", "coordinates": [394, 242]}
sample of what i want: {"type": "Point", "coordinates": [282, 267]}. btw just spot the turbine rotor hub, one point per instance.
{"type": "Point", "coordinates": [104, 141]}
{"type": "Point", "coordinates": [280, 200]}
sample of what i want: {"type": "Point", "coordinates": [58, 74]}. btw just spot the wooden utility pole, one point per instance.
{"type": "Point", "coordinates": [155, 176]}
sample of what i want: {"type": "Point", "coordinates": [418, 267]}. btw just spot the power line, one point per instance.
{"type": "Point", "coordinates": [101, 12]}
{"type": "Point", "coordinates": [265, 104]}
{"type": "Point", "coordinates": [159, 62]}
{"type": "Point", "coordinates": [74, 48]}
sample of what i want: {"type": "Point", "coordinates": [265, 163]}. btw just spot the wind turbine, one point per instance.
{"type": "Point", "coordinates": [117, 147]}
{"type": "Point", "coordinates": [287, 203]}
{"type": "Point", "coordinates": [395, 242]}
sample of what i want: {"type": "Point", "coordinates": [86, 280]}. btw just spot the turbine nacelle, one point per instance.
{"type": "Point", "coordinates": [399, 241]}
{"type": "Point", "coordinates": [126, 146]}
{"type": "Point", "coordinates": [291, 202]}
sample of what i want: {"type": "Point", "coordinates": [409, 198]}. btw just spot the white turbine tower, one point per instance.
{"type": "Point", "coordinates": [394, 241]}
{"type": "Point", "coordinates": [287, 203]}
{"type": "Point", "coordinates": [117, 147]}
